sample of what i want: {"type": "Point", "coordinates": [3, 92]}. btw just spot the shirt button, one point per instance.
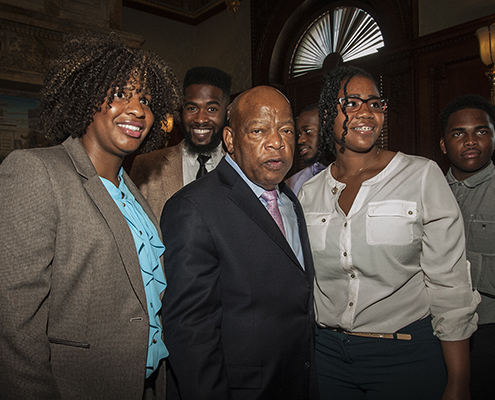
{"type": "Point", "coordinates": [123, 204]}
{"type": "Point", "coordinates": [345, 224]}
{"type": "Point", "coordinates": [154, 341]}
{"type": "Point", "coordinates": [410, 212]}
{"type": "Point", "coordinates": [307, 364]}
{"type": "Point", "coordinates": [353, 276]}
{"type": "Point", "coordinates": [323, 220]}
{"type": "Point", "coordinates": [345, 253]}
{"type": "Point", "coordinates": [151, 305]}
{"type": "Point", "coordinates": [483, 226]}
{"type": "Point", "coordinates": [351, 304]}
{"type": "Point", "coordinates": [140, 232]}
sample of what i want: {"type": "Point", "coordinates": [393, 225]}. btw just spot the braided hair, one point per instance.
{"type": "Point", "coordinates": [336, 79]}
{"type": "Point", "coordinates": [90, 71]}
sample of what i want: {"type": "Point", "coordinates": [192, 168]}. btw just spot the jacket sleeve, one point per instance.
{"type": "Point", "coordinates": [192, 306]}
{"type": "Point", "coordinates": [29, 221]}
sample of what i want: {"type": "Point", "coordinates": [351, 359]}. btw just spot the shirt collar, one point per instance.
{"type": "Point", "coordinates": [477, 179]}
{"type": "Point", "coordinates": [258, 190]}
{"type": "Point", "coordinates": [216, 155]}
{"type": "Point", "coordinates": [317, 167]}
{"type": "Point", "coordinates": [114, 191]}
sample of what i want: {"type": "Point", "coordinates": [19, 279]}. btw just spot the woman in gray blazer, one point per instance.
{"type": "Point", "coordinates": [81, 277]}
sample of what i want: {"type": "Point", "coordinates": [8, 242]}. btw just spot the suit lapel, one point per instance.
{"type": "Point", "coordinates": [112, 215]}
{"type": "Point", "coordinates": [141, 200]}
{"type": "Point", "coordinates": [172, 175]}
{"type": "Point", "coordinates": [242, 195]}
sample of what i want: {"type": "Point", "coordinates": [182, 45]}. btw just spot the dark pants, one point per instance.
{"type": "Point", "coordinates": [358, 368]}
{"type": "Point", "coordinates": [482, 356]}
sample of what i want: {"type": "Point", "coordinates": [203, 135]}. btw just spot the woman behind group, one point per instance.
{"type": "Point", "coordinates": [392, 292]}
{"type": "Point", "coordinates": [81, 275]}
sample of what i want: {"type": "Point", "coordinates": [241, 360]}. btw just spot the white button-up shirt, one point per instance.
{"type": "Point", "coordinates": [396, 257]}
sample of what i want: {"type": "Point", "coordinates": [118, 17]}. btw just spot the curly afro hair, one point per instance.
{"type": "Point", "coordinates": [90, 71]}
{"type": "Point", "coordinates": [334, 80]}
{"type": "Point", "coordinates": [464, 102]}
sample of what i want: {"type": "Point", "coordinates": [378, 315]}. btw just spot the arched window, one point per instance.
{"type": "Point", "coordinates": [344, 33]}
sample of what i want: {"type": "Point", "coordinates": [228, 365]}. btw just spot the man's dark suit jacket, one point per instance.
{"type": "Point", "coordinates": [238, 310]}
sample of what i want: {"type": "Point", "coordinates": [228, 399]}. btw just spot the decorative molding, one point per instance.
{"type": "Point", "coordinates": [31, 30]}
{"type": "Point", "coordinates": [192, 13]}
{"type": "Point", "coordinates": [26, 51]}
{"type": "Point", "coordinates": [30, 40]}
{"type": "Point", "coordinates": [433, 47]}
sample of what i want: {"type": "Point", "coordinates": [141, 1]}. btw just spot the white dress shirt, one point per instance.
{"type": "Point", "coordinates": [397, 257]}
{"type": "Point", "coordinates": [190, 163]}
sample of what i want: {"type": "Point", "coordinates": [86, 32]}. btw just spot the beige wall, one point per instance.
{"type": "Point", "coordinates": [441, 14]}
{"type": "Point", "coordinates": [222, 41]}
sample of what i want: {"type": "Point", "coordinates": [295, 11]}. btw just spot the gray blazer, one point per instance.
{"type": "Point", "coordinates": [73, 312]}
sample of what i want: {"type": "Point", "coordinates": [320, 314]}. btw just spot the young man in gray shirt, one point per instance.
{"type": "Point", "coordinates": [468, 140]}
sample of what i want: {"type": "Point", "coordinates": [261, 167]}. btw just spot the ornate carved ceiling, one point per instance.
{"type": "Point", "coordinates": [188, 11]}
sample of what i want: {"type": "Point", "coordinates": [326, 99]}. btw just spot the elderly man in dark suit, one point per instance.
{"type": "Point", "coordinates": [238, 311]}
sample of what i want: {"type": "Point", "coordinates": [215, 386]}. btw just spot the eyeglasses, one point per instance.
{"type": "Point", "coordinates": [353, 104]}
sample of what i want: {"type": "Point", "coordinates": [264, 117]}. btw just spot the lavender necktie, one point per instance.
{"type": "Point", "coordinates": [270, 196]}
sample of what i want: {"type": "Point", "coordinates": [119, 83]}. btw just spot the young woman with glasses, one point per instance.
{"type": "Point", "coordinates": [394, 304]}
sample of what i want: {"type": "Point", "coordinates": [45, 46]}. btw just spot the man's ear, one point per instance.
{"type": "Point", "coordinates": [228, 139]}
{"type": "Point", "coordinates": [442, 146]}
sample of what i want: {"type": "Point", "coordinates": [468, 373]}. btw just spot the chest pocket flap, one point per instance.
{"type": "Point", "coordinates": [391, 222]}
{"type": "Point", "coordinates": [317, 224]}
